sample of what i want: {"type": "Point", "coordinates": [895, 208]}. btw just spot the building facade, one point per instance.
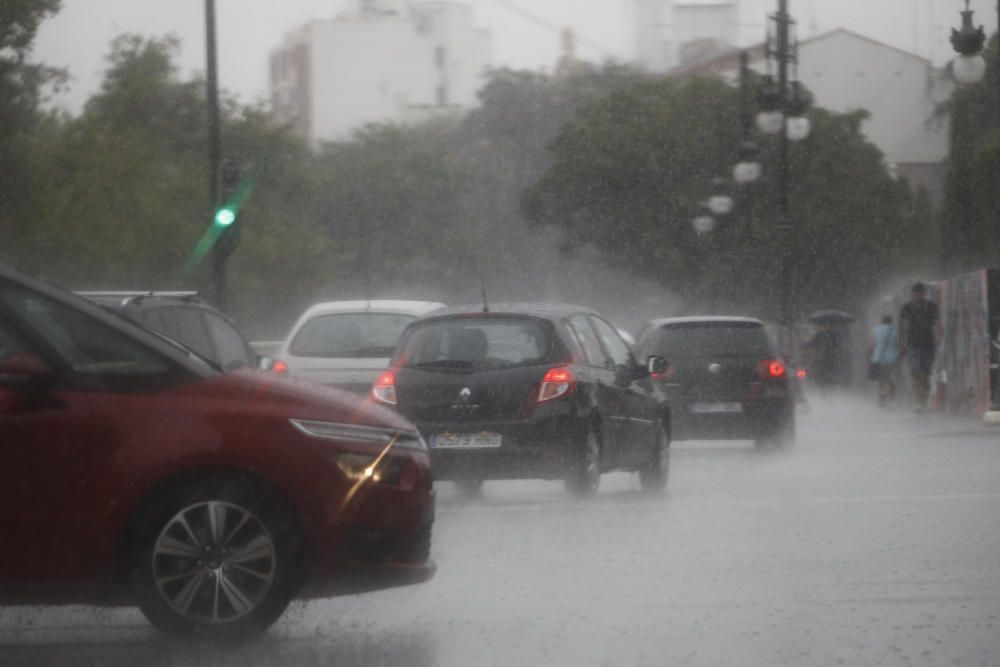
{"type": "Point", "coordinates": [383, 61]}
{"type": "Point", "coordinates": [902, 92]}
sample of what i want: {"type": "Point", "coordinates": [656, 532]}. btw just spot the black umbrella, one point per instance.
{"type": "Point", "coordinates": [830, 316]}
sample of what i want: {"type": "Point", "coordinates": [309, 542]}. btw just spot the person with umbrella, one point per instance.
{"type": "Point", "coordinates": [827, 346]}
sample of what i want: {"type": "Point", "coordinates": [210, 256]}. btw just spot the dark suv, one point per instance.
{"type": "Point", "coordinates": [724, 380]}
{"type": "Point", "coordinates": [529, 391]}
{"type": "Point", "coordinates": [187, 319]}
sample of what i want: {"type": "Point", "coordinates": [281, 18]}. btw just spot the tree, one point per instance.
{"type": "Point", "coordinates": [22, 86]}
{"type": "Point", "coordinates": [630, 169]}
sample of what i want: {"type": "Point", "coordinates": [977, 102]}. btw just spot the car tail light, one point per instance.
{"type": "Point", "coordinates": [771, 369]}
{"type": "Point", "coordinates": [802, 374]}
{"type": "Point", "coordinates": [384, 389]}
{"type": "Point", "coordinates": [557, 382]}
{"type": "Point", "coordinates": [280, 367]}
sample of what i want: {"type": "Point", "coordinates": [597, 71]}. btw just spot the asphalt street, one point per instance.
{"type": "Point", "coordinates": [876, 541]}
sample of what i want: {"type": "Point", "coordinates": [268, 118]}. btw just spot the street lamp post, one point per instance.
{"type": "Point", "coordinates": [970, 67]}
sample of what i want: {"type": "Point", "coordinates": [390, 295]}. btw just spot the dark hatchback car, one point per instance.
{"type": "Point", "coordinates": [725, 379]}
{"type": "Point", "coordinates": [529, 391]}
{"type": "Point", "coordinates": [133, 472]}
{"type": "Point", "coordinates": [187, 319]}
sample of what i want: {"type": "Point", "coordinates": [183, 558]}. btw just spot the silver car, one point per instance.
{"type": "Point", "coordinates": [348, 343]}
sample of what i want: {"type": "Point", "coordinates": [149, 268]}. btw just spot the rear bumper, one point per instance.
{"type": "Point", "coordinates": [529, 450]}
{"type": "Point", "coordinates": [758, 419]}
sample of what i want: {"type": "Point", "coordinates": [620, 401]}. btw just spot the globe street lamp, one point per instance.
{"type": "Point", "coordinates": [721, 202]}
{"type": "Point", "coordinates": [968, 41]}
{"type": "Point", "coordinates": [799, 101]}
{"type": "Point", "coordinates": [703, 221]}
{"type": "Point", "coordinates": [747, 169]}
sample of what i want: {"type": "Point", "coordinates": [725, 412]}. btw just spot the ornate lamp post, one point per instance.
{"type": "Point", "coordinates": [968, 41]}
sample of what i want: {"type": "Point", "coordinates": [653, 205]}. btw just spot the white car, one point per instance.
{"type": "Point", "coordinates": [347, 344]}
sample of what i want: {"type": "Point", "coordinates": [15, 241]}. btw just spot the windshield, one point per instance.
{"type": "Point", "coordinates": [476, 343]}
{"type": "Point", "coordinates": [350, 335]}
{"type": "Point", "coordinates": [708, 339]}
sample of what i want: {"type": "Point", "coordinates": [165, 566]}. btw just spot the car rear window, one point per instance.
{"type": "Point", "coordinates": [708, 339]}
{"type": "Point", "coordinates": [477, 342]}
{"type": "Point", "coordinates": [350, 335]}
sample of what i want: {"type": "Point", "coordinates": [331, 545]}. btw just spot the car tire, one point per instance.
{"type": "Point", "coordinates": [584, 476]}
{"type": "Point", "coordinates": [469, 489]}
{"type": "Point", "coordinates": [654, 474]}
{"type": "Point", "coordinates": [216, 559]}
{"type": "Point", "coordinates": [781, 435]}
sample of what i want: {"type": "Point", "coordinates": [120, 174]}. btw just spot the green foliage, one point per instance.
{"type": "Point", "coordinates": [22, 87]}
{"type": "Point", "coordinates": [629, 171]}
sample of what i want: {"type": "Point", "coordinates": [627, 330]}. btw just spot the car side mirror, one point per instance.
{"type": "Point", "coordinates": [656, 365]}
{"type": "Point", "coordinates": [265, 363]}
{"type": "Point", "coordinates": [25, 372]}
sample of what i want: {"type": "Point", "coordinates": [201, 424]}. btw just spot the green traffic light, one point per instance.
{"type": "Point", "coordinates": [225, 216]}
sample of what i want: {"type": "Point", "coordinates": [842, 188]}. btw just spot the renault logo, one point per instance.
{"type": "Point", "coordinates": [465, 395]}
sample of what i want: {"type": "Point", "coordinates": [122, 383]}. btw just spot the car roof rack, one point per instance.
{"type": "Point", "coordinates": [135, 296]}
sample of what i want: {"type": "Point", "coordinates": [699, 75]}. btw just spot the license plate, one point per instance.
{"type": "Point", "coordinates": [703, 408]}
{"type": "Point", "coordinates": [465, 440]}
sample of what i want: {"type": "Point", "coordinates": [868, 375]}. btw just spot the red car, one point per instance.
{"type": "Point", "coordinates": [133, 472]}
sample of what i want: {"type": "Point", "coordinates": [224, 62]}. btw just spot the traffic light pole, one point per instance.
{"type": "Point", "coordinates": [214, 148]}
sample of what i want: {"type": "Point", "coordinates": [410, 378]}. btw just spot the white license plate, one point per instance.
{"type": "Point", "coordinates": [465, 440]}
{"type": "Point", "coordinates": [703, 408]}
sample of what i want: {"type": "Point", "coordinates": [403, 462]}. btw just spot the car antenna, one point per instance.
{"type": "Point", "coordinates": [486, 304]}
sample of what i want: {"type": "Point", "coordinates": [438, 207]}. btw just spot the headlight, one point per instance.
{"type": "Point", "coordinates": [355, 433]}
{"type": "Point", "coordinates": [361, 467]}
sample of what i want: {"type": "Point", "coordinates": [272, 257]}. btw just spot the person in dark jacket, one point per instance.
{"type": "Point", "coordinates": [919, 333]}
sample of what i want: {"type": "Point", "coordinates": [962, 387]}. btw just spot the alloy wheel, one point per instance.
{"type": "Point", "coordinates": [214, 562]}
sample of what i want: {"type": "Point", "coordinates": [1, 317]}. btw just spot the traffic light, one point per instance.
{"type": "Point", "coordinates": [222, 236]}
{"type": "Point", "coordinates": [225, 216]}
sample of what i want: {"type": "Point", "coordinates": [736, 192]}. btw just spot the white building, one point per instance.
{"type": "Point", "coordinates": [384, 61]}
{"type": "Point", "coordinates": [901, 91]}
{"type": "Point", "coordinates": [671, 33]}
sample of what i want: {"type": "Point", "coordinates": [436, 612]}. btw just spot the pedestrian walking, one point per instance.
{"type": "Point", "coordinates": [919, 333]}
{"type": "Point", "coordinates": [883, 358]}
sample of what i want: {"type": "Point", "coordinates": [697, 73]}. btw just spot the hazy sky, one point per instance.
{"type": "Point", "coordinates": [78, 37]}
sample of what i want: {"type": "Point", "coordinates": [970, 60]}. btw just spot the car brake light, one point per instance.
{"type": "Point", "coordinates": [801, 374]}
{"type": "Point", "coordinates": [280, 367]}
{"type": "Point", "coordinates": [384, 389]}
{"type": "Point", "coordinates": [557, 382]}
{"type": "Point", "coordinates": [771, 369]}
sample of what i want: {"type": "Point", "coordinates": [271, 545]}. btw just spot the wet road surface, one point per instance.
{"type": "Point", "coordinates": [875, 542]}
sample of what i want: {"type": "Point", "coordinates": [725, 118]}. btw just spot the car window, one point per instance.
{"type": "Point", "coordinates": [707, 339]}
{"type": "Point", "coordinates": [9, 343]}
{"type": "Point", "coordinates": [616, 348]}
{"type": "Point", "coordinates": [185, 325]}
{"type": "Point", "coordinates": [350, 335]}
{"type": "Point", "coordinates": [89, 347]}
{"type": "Point", "coordinates": [232, 348]}
{"type": "Point", "coordinates": [477, 342]}
{"type": "Point", "coordinates": [587, 338]}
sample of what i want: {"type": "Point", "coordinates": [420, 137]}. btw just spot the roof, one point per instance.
{"type": "Point", "coordinates": [120, 299]}
{"type": "Point", "coordinates": [401, 306]}
{"type": "Point", "coordinates": [548, 311]}
{"type": "Point", "coordinates": [730, 60]}
{"type": "Point", "coordinates": [707, 319]}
